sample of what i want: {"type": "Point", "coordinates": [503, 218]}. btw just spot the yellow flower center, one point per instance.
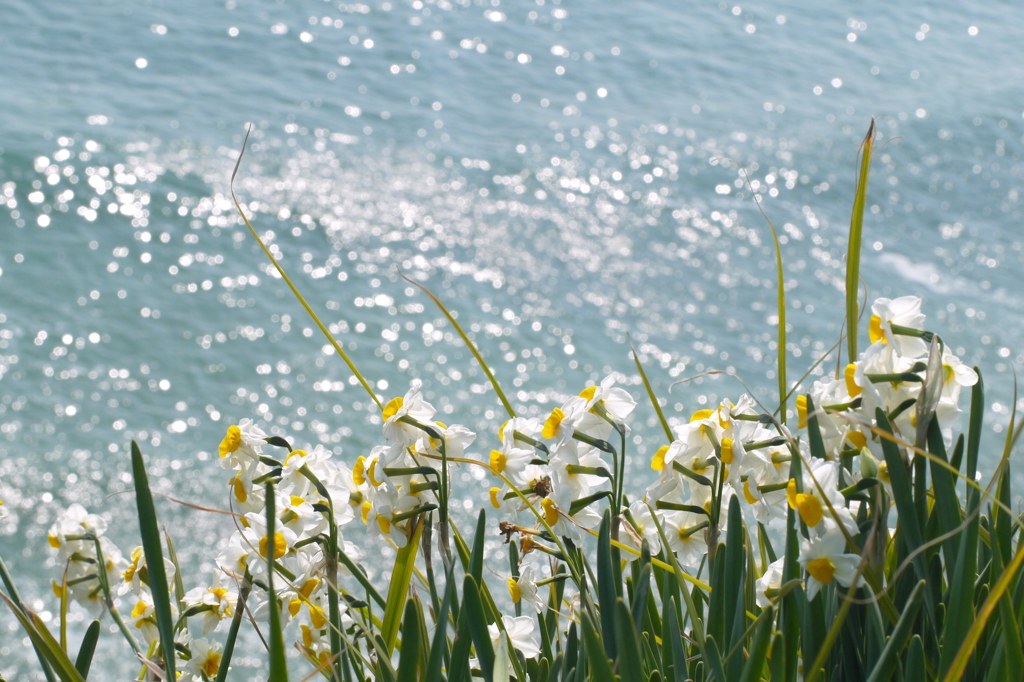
{"type": "Point", "coordinates": [513, 589]}
{"type": "Point", "coordinates": [232, 441]}
{"type": "Point", "coordinates": [54, 541]}
{"type": "Point", "coordinates": [367, 506]}
{"type": "Point", "coordinates": [280, 546]}
{"type": "Point", "coordinates": [218, 592]}
{"type": "Point", "coordinates": [552, 423]}
{"type": "Point", "coordinates": [501, 431]}
{"type": "Point", "coordinates": [392, 408]}
{"type": "Point", "coordinates": [139, 610]}
{"type": "Point", "coordinates": [588, 393]}
{"type": "Point", "coordinates": [498, 461]}
{"type": "Point", "coordinates": [801, 411]}
{"type": "Point", "coordinates": [316, 616]}
{"type": "Point", "coordinates": [494, 497]}
{"type": "Point", "coordinates": [857, 439]}
{"type": "Point", "coordinates": [810, 509]}
{"type": "Point", "coordinates": [821, 570]}
{"type": "Point", "coordinates": [550, 511]}
{"type": "Point", "coordinates": [239, 489]}
{"type": "Point", "coordinates": [791, 493]}
{"type": "Point", "coordinates": [746, 493]}
{"type": "Point", "coordinates": [701, 414]}
{"type": "Point", "coordinates": [359, 471]}
{"type": "Point", "coordinates": [875, 332]}
{"type": "Point", "coordinates": [294, 453]}
{"type": "Point", "coordinates": [307, 636]}
{"type": "Point", "coordinates": [384, 525]}
{"type": "Point", "coordinates": [851, 385]}
{"type": "Point", "coordinates": [212, 665]}
{"type": "Point", "coordinates": [129, 573]}
{"type": "Point", "coordinates": [372, 473]}
{"type": "Point", "coordinates": [658, 461]}
{"type": "Point", "coordinates": [58, 590]}
{"type": "Point", "coordinates": [727, 450]}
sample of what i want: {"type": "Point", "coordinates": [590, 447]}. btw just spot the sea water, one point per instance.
{"type": "Point", "coordinates": [560, 174]}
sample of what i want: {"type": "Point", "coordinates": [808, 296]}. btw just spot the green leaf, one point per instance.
{"type": "Point", "coordinates": [474, 610]}
{"type": "Point", "coordinates": [735, 568]}
{"type": "Point", "coordinates": [606, 584]}
{"type": "Point", "coordinates": [278, 662]}
{"type": "Point", "coordinates": [439, 645]}
{"type": "Point", "coordinates": [672, 643]}
{"type": "Point", "coordinates": [476, 559]}
{"type": "Point", "coordinates": [409, 656]}
{"type": "Point", "coordinates": [650, 393]}
{"type": "Point", "coordinates": [886, 666]}
{"type": "Point", "coordinates": [85, 652]}
{"type": "Point", "coordinates": [45, 644]}
{"type": "Point", "coordinates": [398, 588]}
{"type": "Point", "coordinates": [977, 622]}
{"type": "Point", "coordinates": [642, 588]}
{"type": "Point", "coordinates": [459, 667]}
{"type": "Point", "coordinates": [759, 649]}
{"type": "Point", "coordinates": [714, 661]}
{"type": "Point", "coordinates": [600, 669]}
{"type": "Point", "coordinates": [151, 547]}
{"type": "Point", "coordinates": [468, 342]}
{"type": "Point", "coordinates": [630, 662]}
{"type": "Point", "coordinates": [916, 669]}
{"type": "Point", "coordinates": [854, 243]}
{"type": "Point", "coordinates": [13, 592]}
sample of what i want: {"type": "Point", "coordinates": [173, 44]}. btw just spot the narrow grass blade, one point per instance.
{"type": "Point", "coordinates": [469, 344]}
{"type": "Point", "coordinates": [409, 657]}
{"type": "Point", "coordinates": [916, 670]}
{"type": "Point", "coordinates": [854, 243]}
{"type": "Point", "coordinates": [16, 598]}
{"type": "Point", "coordinates": [476, 558]}
{"type": "Point", "coordinates": [85, 652]}
{"type": "Point", "coordinates": [754, 666]}
{"type": "Point", "coordinates": [714, 661]}
{"type": "Point", "coordinates": [600, 668]}
{"type": "Point", "coordinates": [278, 662]}
{"type": "Point", "coordinates": [474, 609]}
{"type": "Point", "coordinates": [980, 620]}
{"type": "Point", "coordinates": [280, 270]}
{"type": "Point", "coordinates": [439, 645]}
{"type": "Point", "coordinates": [885, 668]}
{"type": "Point", "coordinates": [650, 392]}
{"type": "Point", "coordinates": [44, 643]}
{"type": "Point", "coordinates": [398, 589]}
{"type": "Point", "coordinates": [149, 528]}
{"type": "Point", "coordinates": [630, 661]}
{"type": "Point", "coordinates": [606, 584]}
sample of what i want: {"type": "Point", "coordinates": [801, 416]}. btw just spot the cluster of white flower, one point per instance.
{"type": "Point", "coordinates": [561, 469]}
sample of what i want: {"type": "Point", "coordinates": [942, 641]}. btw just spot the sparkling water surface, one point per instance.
{"type": "Point", "coordinates": [559, 173]}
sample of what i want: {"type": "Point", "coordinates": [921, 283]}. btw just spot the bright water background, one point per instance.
{"type": "Point", "coordinates": [559, 173]}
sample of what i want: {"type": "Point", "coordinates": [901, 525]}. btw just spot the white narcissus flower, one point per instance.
{"type": "Point", "coordinates": [904, 311]}
{"type": "Point", "coordinates": [524, 589]}
{"type": "Point", "coordinates": [646, 528]}
{"type": "Point", "coordinates": [242, 445]}
{"type": "Point", "coordinates": [685, 538]}
{"type": "Point", "coordinates": [824, 560]}
{"type": "Point", "coordinates": [520, 634]}
{"type": "Point", "coordinates": [205, 661]}
{"type": "Point", "coordinates": [412, 405]}
{"type": "Point", "coordinates": [618, 402]}
{"type": "Point", "coordinates": [771, 579]}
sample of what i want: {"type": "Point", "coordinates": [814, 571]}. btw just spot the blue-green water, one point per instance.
{"type": "Point", "coordinates": [560, 173]}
